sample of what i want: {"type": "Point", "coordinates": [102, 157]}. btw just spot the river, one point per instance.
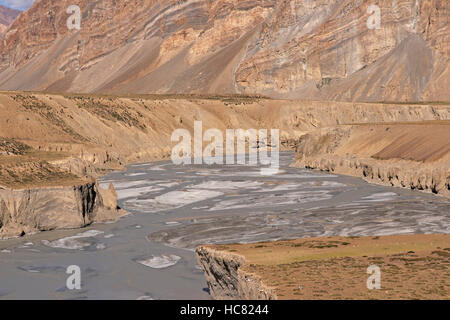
{"type": "Point", "coordinates": [149, 254]}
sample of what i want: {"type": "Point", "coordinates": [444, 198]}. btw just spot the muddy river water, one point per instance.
{"type": "Point", "coordinates": [149, 254]}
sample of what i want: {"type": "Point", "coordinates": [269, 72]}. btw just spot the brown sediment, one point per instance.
{"type": "Point", "coordinates": [412, 267]}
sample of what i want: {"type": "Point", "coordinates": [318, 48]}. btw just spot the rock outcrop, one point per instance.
{"type": "Point", "coordinates": [311, 49]}
{"type": "Point", "coordinates": [408, 155]}
{"type": "Point", "coordinates": [226, 280]}
{"type": "Point", "coordinates": [31, 210]}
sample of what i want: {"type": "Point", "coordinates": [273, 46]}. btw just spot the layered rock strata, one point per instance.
{"type": "Point", "coordinates": [309, 49]}
{"type": "Point", "coordinates": [59, 141]}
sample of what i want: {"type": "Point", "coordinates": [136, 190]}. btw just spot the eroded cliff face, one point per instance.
{"type": "Point", "coordinates": [316, 49]}
{"type": "Point", "coordinates": [40, 209]}
{"type": "Point", "coordinates": [415, 155]}
{"type": "Point", "coordinates": [225, 278]}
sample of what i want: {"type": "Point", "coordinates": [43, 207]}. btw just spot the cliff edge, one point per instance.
{"type": "Point", "coordinates": [302, 49]}
{"type": "Point", "coordinates": [409, 155]}
{"type": "Point", "coordinates": [411, 267]}
{"type": "Point", "coordinates": [227, 280]}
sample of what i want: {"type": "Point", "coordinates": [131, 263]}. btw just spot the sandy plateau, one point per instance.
{"type": "Point", "coordinates": [413, 267]}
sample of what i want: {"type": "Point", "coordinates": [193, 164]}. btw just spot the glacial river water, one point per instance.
{"type": "Point", "coordinates": [149, 254]}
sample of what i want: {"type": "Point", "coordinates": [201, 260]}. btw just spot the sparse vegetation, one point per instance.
{"type": "Point", "coordinates": [11, 146]}
{"type": "Point", "coordinates": [33, 104]}
{"type": "Point", "coordinates": [111, 110]}
{"type": "Point", "coordinates": [22, 166]}
{"type": "Point", "coordinates": [335, 268]}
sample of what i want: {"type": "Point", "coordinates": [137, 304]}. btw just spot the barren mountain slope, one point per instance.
{"type": "Point", "coordinates": [296, 49]}
{"type": "Point", "coordinates": [7, 16]}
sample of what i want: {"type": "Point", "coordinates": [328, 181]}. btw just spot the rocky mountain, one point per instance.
{"type": "Point", "coordinates": [7, 16]}
{"type": "Point", "coordinates": [309, 49]}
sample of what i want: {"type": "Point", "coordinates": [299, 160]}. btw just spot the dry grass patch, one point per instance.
{"type": "Point", "coordinates": [412, 266]}
{"type": "Point", "coordinates": [23, 167]}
